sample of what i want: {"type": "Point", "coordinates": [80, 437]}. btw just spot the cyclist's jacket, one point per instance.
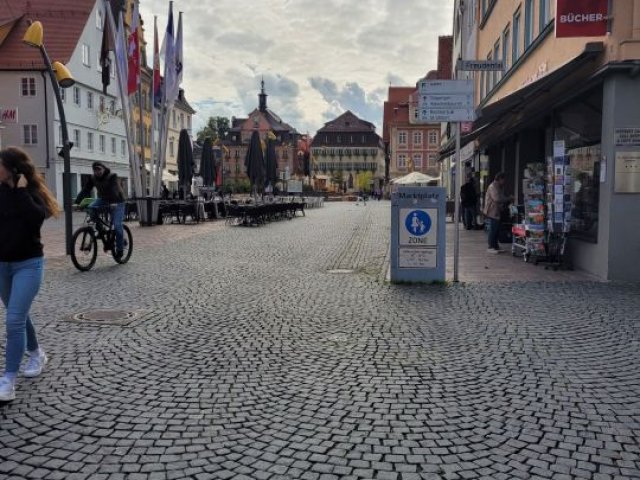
{"type": "Point", "coordinates": [107, 185]}
{"type": "Point", "coordinates": [21, 215]}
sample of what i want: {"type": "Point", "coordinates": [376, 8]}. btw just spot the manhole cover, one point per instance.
{"type": "Point", "coordinates": [340, 270]}
{"type": "Point", "coordinates": [106, 317]}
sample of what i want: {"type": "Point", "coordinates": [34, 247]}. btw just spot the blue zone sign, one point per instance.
{"type": "Point", "coordinates": [418, 227]}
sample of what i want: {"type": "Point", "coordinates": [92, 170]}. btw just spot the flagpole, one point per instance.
{"type": "Point", "coordinates": [126, 114]}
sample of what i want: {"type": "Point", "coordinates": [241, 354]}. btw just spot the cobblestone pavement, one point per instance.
{"type": "Point", "coordinates": [255, 356]}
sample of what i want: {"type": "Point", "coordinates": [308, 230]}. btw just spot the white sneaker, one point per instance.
{"type": "Point", "coordinates": [493, 251]}
{"type": "Point", "coordinates": [35, 364]}
{"type": "Point", "coordinates": [7, 390]}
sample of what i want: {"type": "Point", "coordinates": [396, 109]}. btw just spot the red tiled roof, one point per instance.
{"type": "Point", "coordinates": [347, 122]}
{"type": "Point", "coordinates": [396, 108]}
{"type": "Point", "coordinates": [63, 22]}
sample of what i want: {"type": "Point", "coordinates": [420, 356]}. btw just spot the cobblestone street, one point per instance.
{"type": "Point", "coordinates": [280, 352]}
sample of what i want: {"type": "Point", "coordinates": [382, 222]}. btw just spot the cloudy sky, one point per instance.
{"type": "Point", "coordinates": [318, 58]}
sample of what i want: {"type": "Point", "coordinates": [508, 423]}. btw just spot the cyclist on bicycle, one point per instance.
{"type": "Point", "coordinates": [109, 195]}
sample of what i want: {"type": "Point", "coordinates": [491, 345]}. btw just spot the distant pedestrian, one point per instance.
{"type": "Point", "coordinates": [494, 202]}
{"type": "Point", "coordinates": [165, 192]}
{"type": "Point", "coordinates": [468, 202]}
{"type": "Point", "coordinates": [25, 202]}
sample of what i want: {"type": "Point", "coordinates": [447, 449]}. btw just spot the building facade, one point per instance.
{"type": "Point", "coordinates": [573, 97]}
{"type": "Point", "coordinates": [349, 154]}
{"type": "Point", "coordinates": [265, 121]}
{"type": "Point", "coordinates": [410, 145]}
{"type": "Point", "coordinates": [73, 34]}
{"type": "Point", "coordinates": [180, 118]}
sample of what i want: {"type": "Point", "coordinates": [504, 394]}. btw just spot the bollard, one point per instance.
{"type": "Point", "coordinates": [149, 212]}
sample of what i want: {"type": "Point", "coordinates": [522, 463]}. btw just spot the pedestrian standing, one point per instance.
{"type": "Point", "coordinates": [25, 202]}
{"type": "Point", "coordinates": [494, 202]}
{"type": "Point", "coordinates": [468, 202]}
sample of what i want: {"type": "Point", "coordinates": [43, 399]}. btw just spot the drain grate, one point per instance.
{"type": "Point", "coordinates": [106, 317]}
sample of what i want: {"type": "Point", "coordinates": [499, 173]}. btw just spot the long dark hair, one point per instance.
{"type": "Point", "coordinates": [18, 161]}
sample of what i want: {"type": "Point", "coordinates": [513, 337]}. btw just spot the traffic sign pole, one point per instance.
{"type": "Point", "coordinates": [457, 185]}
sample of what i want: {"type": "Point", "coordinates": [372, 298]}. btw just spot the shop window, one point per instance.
{"type": "Point", "coordinates": [585, 191]}
{"type": "Point", "coordinates": [579, 125]}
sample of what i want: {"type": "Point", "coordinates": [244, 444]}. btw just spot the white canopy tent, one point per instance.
{"type": "Point", "coordinates": [415, 178]}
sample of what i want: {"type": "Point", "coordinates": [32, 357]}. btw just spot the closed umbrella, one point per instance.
{"type": "Point", "coordinates": [185, 162]}
{"type": "Point", "coordinates": [271, 162]}
{"type": "Point", "coordinates": [206, 164]}
{"type": "Point", "coordinates": [254, 162]}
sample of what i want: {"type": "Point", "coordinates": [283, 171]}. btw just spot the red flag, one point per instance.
{"type": "Point", "coordinates": [133, 54]}
{"type": "Point", "coordinates": [157, 81]}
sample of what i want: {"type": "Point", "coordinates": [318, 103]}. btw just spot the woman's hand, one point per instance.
{"type": "Point", "coordinates": [22, 182]}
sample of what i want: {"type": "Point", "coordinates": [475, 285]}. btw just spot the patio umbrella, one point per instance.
{"type": "Point", "coordinates": [207, 171]}
{"type": "Point", "coordinates": [271, 163]}
{"type": "Point", "coordinates": [185, 162]}
{"type": "Point", "coordinates": [254, 161]}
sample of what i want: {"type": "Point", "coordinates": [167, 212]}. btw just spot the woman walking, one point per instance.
{"type": "Point", "coordinates": [25, 202]}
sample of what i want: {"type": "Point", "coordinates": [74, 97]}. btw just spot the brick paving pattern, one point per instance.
{"type": "Point", "coordinates": [252, 360]}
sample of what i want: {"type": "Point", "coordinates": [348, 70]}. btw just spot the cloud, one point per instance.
{"type": "Point", "coordinates": [351, 96]}
{"type": "Point", "coordinates": [318, 58]}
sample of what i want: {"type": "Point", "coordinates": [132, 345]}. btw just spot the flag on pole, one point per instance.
{"type": "Point", "coordinates": [157, 80]}
{"type": "Point", "coordinates": [120, 51]}
{"type": "Point", "coordinates": [177, 54]}
{"type": "Point", "coordinates": [168, 51]}
{"type": "Point", "coordinates": [105, 59]}
{"type": "Point", "coordinates": [133, 53]}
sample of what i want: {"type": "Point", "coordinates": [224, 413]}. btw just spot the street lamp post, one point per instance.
{"type": "Point", "coordinates": [60, 77]}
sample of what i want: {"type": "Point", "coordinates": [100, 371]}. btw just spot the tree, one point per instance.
{"type": "Point", "coordinates": [216, 128]}
{"type": "Point", "coordinates": [364, 180]}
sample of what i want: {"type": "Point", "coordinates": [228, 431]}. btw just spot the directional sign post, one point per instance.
{"type": "Point", "coordinates": [446, 101]}
{"type": "Point", "coordinates": [449, 101]}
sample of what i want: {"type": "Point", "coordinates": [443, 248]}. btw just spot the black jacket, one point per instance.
{"type": "Point", "coordinates": [21, 215]}
{"type": "Point", "coordinates": [468, 195]}
{"type": "Point", "coordinates": [107, 185]}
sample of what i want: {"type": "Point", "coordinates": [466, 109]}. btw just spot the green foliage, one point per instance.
{"type": "Point", "coordinates": [216, 129]}
{"type": "Point", "coordinates": [241, 185]}
{"type": "Point", "coordinates": [363, 181]}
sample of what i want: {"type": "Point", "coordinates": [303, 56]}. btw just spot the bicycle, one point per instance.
{"type": "Point", "coordinates": [85, 240]}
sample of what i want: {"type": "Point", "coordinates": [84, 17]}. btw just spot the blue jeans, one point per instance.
{"type": "Point", "coordinates": [494, 229]}
{"type": "Point", "coordinates": [117, 217]}
{"type": "Point", "coordinates": [19, 284]}
{"type": "Point", "coordinates": [469, 217]}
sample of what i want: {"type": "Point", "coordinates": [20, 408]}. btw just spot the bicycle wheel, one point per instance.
{"type": "Point", "coordinates": [127, 247]}
{"type": "Point", "coordinates": [85, 249]}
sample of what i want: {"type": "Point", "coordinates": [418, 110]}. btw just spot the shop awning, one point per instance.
{"type": "Point", "coordinates": [500, 118]}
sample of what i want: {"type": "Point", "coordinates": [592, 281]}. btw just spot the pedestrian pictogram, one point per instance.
{"type": "Point", "coordinates": [418, 223]}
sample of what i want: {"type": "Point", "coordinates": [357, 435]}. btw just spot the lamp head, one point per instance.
{"type": "Point", "coordinates": [63, 75]}
{"type": "Point", "coordinates": [34, 35]}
